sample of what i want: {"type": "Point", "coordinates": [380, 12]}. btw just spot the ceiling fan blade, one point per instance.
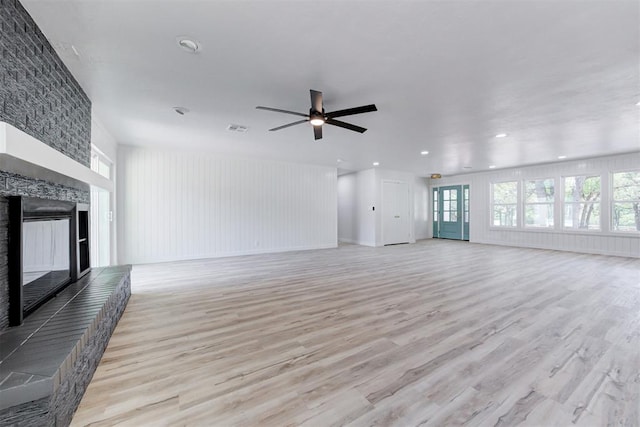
{"type": "Point", "coordinates": [316, 100]}
{"type": "Point", "coordinates": [317, 132]}
{"type": "Point", "coordinates": [290, 124]}
{"type": "Point", "coordinates": [278, 110]}
{"type": "Point", "coordinates": [355, 110]}
{"type": "Point", "coordinates": [345, 125]}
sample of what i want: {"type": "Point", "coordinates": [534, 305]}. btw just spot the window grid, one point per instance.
{"type": "Point", "coordinates": [582, 202]}
{"type": "Point", "coordinates": [466, 205]}
{"type": "Point", "coordinates": [539, 203]}
{"type": "Point", "coordinates": [436, 213]}
{"type": "Point", "coordinates": [625, 202]}
{"type": "Point", "coordinates": [450, 205]}
{"type": "Point", "coordinates": [505, 204]}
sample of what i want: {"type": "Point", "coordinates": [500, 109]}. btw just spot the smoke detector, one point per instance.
{"type": "Point", "coordinates": [188, 44]}
{"type": "Point", "coordinates": [237, 128]}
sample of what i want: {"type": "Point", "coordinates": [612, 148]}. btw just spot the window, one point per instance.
{"type": "Point", "coordinates": [582, 202]}
{"type": "Point", "coordinates": [538, 203]}
{"type": "Point", "coordinates": [466, 204]}
{"type": "Point", "coordinates": [100, 163]}
{"type": "Point", "coordinates": [505, 203]}
{"type": "Point", "coordinates": [101, 214]}
{"type": "Point", "coordinates": [450, 205]}
{"type": "Point", "coordinates": [435, 205]}
{"type": "Point", "coordinates": [625, 201]}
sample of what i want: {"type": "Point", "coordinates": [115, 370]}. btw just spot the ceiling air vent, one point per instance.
{"type": "Point", "coordinates": [237, 128]}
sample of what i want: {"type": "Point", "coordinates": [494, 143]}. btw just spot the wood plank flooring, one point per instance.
{"type": "Point", "coordinates": [439, 333]}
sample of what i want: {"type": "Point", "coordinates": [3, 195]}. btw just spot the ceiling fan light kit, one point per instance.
{"type": "Point", "coordinates": [317, 116]}
{"type": "Point", "coordinates": [316, 119]}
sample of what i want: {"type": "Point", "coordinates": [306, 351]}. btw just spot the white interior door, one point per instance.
{"type": "Point", "coordinates": [395, 212]}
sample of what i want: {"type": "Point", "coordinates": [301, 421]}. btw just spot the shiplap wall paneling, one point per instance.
{"type": "Point", "coordinates": [598, 242]}
{"type": "Point", "coordinates": [186, 205]}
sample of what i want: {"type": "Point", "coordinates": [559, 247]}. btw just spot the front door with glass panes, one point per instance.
{"type": "Point", "coordinates": [451, 212]}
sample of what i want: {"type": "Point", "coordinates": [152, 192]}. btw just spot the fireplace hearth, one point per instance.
{"type": "Point", "coordinates": [48, 250]}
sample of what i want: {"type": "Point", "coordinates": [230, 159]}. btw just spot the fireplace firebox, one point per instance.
{"type": "Point", "coordinates": [48, 250]}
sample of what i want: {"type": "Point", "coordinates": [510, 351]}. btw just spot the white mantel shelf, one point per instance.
{"type": "Point", "coordinates": [18, 147]}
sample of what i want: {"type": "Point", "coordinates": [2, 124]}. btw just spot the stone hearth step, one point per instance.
{"type": "Point", "coordinates": [47, 362]}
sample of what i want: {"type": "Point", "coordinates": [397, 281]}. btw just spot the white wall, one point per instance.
{"type": "Point", "coordinates": [360, 192]}
{"type": "Point", "coordinates": [365, 202]}
{"type": "Point", "coordinates": [598, 242]}
{"type": "Point", "coordinates": [101, 138]}
{"type": "Point", "coordinates": [174, 206]}
{"type": "Point", "coordinates": [356, 200]}
{"type": "Point", "coordinates": [347, 212]}
{"type": "Point", "coordinates": [421, 209]}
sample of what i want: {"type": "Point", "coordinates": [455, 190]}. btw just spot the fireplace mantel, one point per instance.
{"type": "Point", "coordinates": [23, 154]}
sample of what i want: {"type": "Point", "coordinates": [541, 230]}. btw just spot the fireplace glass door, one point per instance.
{"type": "Point", "coordinates": [46, 259]}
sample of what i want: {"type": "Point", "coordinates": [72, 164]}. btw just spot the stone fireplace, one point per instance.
{"type": "Point", "coordinates": [46, 362]}
{"type": "Point", "coordinates": [39, 97]}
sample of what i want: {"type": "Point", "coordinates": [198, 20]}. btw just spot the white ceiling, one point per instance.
{"type": "Point", "coordinates": [559, 77]}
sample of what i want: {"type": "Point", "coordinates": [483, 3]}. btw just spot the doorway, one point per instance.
{"type": "Point", "coordinates": [451, 212]}
{"type": "Point", "coordinates": [396, 226]}
{"type": "Point", "coordinates": [101, 212]}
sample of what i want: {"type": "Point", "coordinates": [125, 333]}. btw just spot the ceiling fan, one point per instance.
{"type": "Point", "coordinates": [317, 117]}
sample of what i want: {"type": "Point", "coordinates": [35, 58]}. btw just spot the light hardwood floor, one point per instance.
{"type": "Point", "coordinates": [438, 333]}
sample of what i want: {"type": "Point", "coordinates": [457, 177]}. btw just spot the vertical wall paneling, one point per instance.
{"type": "Point", "coordinates": [174, 206]}
{"type": "Point", "coordinates": [598, 242]}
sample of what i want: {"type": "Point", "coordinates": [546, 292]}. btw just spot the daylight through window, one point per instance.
{"type": "Point", "coordinates": [538, 203]}
{"type": "Point", "coordinates": [582, 202]}
{"type": "Point", "coordinates": [505, 203]}
{"type": "Point", "coordinates": [625, 203]}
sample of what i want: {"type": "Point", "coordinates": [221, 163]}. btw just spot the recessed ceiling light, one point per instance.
{"type": "Point", "coordinates": [492, 166]}
{"type": "Point", "coordinates": [638, 104]}
{"type": "Point", "coordinates": [562, 157]}
{"type": "Point", "coordinates": [376, 163]}
{"type": "Point", "coordinates": [188, 44]}
{"type": "Point", "coordinates": [339, 160]}
{"type": "Point", "coordinates": [501, 135]}
{"type": "Point", "coordinates": [436, 176]}
{"type": "Point", "coordinates": [181, 110]}
{"type": "Point", "coordinates": [424, 153]}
